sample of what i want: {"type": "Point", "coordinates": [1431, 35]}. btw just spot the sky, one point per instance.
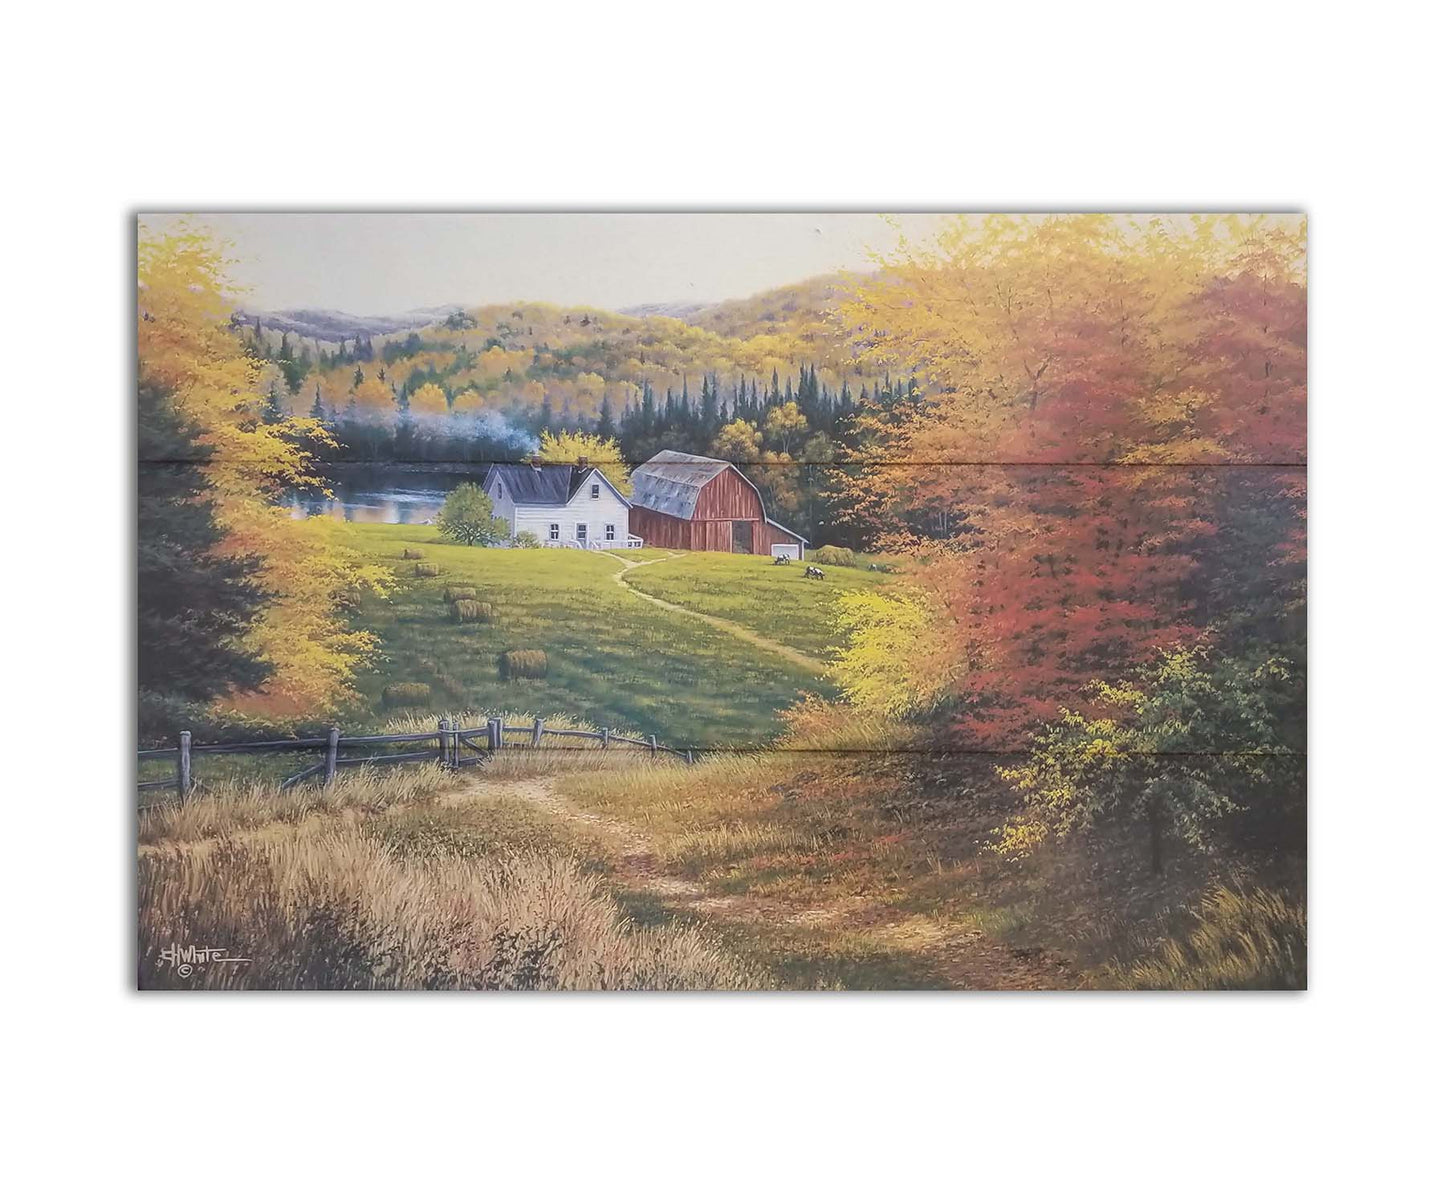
{"type": "Point", "coordinates": [382, 263]}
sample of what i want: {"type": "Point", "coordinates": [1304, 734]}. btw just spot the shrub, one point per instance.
{"type": "Point", "coordinates": [455, 593]}
{"type": "Point", "coordinates": [410, 554]}
{"type": "Point", "coordinates": [427, 570]}
{"type": "Point", "coordinates": [525, 539]}
{"type": "Point", "coordinates": [467, 610]}
{"type": "Point", "coordinates": [526, 662]}
{"type": "Point", "coordinates": [406, 694]}
{"type": "Point", "coordinates": [831, 554]}
{"type": "Point", "coordinates": [466, 517]}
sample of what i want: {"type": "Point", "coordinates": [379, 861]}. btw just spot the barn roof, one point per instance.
{"type": "Point", "coordinates": [671, 481]}
{"type": "Point", "coordinates": [543, 485]}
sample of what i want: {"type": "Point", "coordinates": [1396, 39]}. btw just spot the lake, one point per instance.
{"type": "Point", "coordinates": [383, 495]}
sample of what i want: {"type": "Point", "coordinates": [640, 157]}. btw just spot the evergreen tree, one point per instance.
{"type": "Point", "coordinates": [272, 412]}
{"type": "Point", "coordinates": [707, 413]}
{"type": "Point", "coordinates": [649, 410]}
{"type": "Point", "coordinates": [194, 604]}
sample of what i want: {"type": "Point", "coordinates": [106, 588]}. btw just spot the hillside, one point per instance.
{"type": "Point", "coordinates": [552, 366]}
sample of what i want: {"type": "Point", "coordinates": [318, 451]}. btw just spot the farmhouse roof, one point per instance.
{"type": "Point", "coordinates": [671, 481]}
{"type": "Point", "coordinates": [544, 484]}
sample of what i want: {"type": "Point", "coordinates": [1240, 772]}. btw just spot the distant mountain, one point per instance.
{"type": "Point", "coordinates": [331, 325]}
{"type": "Point", "coordinates": [666, 309]}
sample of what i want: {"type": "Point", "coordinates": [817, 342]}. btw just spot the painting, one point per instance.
{"type": "Point", "coordinates": [721, 601]}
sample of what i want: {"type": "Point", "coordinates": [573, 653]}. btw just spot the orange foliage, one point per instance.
{"type": "Point", "coordinates": [1075, 374]}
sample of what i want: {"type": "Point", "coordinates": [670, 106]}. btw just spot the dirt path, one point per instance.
{"type": "Point", "coordinates": [964, 957]}
{"type": "Point", "coordinates": [812, 664]}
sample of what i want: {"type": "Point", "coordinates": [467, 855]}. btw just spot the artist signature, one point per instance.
{"type": "Point", "coordinates": [187, 959]}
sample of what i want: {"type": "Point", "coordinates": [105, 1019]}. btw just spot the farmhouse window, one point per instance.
{"type": "Point", "coordinates": [554, 531]}
{"type": "Point", "coordinates": [611, 533]}
{"type": "Point", "coordinates": [596, 490]}
{"type": "Point", "coordinates": [581, 532]}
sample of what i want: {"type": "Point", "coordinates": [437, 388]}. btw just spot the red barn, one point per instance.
{"type": "Point", "coordinates": [703, 505]}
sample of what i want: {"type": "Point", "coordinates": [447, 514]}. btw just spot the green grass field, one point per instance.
{"type": "Point", "coordinates": [776, 601]}
{"type": "Point", "coordinates": [614, 659]}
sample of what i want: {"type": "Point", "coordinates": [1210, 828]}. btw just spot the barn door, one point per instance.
{"type": "Point", "coordinates": [743, 537]}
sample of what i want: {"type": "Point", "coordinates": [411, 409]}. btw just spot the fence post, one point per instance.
{"type": "Point", "coordinates": [652, 740]}
{"type": "Point", "coordinates": [537, 731]}
{"type": "Point", "coordinates": [442, 742]}
{"type": "Point", "coordinates": [606, 739]}
{"type": "Point", "coordinates": [689, 756]}
{"type": "Point", "coordinates": [183, 765]}
{"type": "Point", "coordinates": [333, 738]}
{"type": "Point", "coordinates": [498, 737]}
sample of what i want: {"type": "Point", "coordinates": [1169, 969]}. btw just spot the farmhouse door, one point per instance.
{"type": "Point", "coordinates": [742, 537]}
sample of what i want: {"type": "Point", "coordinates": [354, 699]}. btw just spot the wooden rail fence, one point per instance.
{"type": "Point", "coordinates": [446, 748]}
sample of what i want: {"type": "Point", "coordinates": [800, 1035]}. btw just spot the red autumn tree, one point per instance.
{"type": "Point", "coordinates": [1080, 380]}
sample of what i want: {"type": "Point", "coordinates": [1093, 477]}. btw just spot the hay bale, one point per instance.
{"type": "Point", "coordinates": [455, 593]}
{"type": "Point", "coordinates": [410, 554]}
{"type": "Point", "coordinates": [523, 663]}
{"type": "Point", "coordinates": [427, 570]}
{"type": "Point", "coordinates": [406, 694]}
{"type": "Point", "coordinates": [468, 610]}
{"type": "Point", "coordinates": [831, 554]}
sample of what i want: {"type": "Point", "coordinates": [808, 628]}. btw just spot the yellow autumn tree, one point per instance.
{"type": "Point", "coordinates": [890, 660]}
{"type": "Point", "coordinates": [737, 441]}
{"type": "Point", "coordinates": [566, 447]}
{"type": "Point", "coordinates": [186, 345]}
{"type": "Point", "coordinates": [786, 426]}
{"type": "Point", "coordinates": [374, 394]}
{"type": "Point", "coordinates": [429, 399]}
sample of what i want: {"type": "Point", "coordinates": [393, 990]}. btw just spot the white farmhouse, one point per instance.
{"type": "Point", "coordinates": [563, 505]}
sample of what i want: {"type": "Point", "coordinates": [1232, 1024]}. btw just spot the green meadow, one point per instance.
{"type": "Point", "coordinates": [613, 658]}
{"type": "Point", "coordinates": [774, 600]}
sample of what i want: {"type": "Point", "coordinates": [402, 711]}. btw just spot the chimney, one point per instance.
{"type": "Point", "coordinates": [581, 461]}
{"type": "Point", "coordinates": [535, 460]}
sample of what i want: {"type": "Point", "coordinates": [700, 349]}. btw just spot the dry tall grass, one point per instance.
{"type": "Point", "coordinates": [233, 806]}
{"type": "Point", "coordinates": [698, 847]}
{"type": "Point", "coordinates": [338, 909]}
{"type": "Point", "coordinates": [1241, 940]}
